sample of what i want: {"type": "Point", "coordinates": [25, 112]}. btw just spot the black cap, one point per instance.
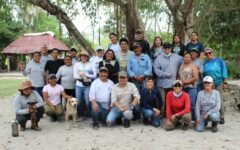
{"type": "Point", "coordinates": [166, 45]}
{"type": "Point", "coordinates": [137, 44]}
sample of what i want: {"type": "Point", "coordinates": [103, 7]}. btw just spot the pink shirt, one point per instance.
{"type": "Point", "coordinates": [54, 93]}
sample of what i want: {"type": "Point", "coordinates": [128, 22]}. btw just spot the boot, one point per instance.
{"type": "Point", "coordinates": [185, 126]}
{"type": "Point", "coordinates": [222, 121]}
{"type": "Point", "coordinates": [146, 121]}
{"type": "Point", "coordinates": [126, 123]}
{"type": "Point", "coordinates": [23, 127]}
{"type": "Point", "coordinates": [214, 126]}
{"type": "Point", "coordinates": [35, 127]}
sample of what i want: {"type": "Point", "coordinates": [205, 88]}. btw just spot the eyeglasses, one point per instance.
{"type": "Point", "coordinates": [208, 53]}
{"type": "Point", "coordinates": [178, 85]}
{"type": "Point", "coordinates": [206, 82]}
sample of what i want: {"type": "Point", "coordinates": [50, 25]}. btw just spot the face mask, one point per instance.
{"type": "Point", "coordinates": [177, 95]}
{"type": "Point", "coordinates": [167, 55]}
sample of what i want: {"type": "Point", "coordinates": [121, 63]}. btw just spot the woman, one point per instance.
{"type": "Point", "coordinates": [110, 62]}
{"type": "Point", "coordinates": [84, 72]}
{"type": "Point", "coordinates": [208, 106]}
{"type": "Point", "coordinates": [114, 45]}
{"type": "Point", "coordinates": [188, 74]}
{"type": "Point", "coordinates": [216, 68]}
{"type": "Point", "coordinates": [52, 93]}
{"type": "Point", "coordinates": [156, 48]}
{"type": "Point", "coordinates": [35, 70]}
{"type": "Point", "coordinates": [177, 46]}
{"type": "Point", "coordinates": [151, 103]}
{"type": "Point", "coordinates": [177, 107]}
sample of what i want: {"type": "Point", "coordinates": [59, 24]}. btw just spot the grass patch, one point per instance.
{"type": "Point", "coordinates": [8, 87]}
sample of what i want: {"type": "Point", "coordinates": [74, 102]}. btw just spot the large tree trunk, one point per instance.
{"type": "Point", "coordinates": [182, 12]}
{"type": "Point", "coordinates": [63, 18]}
{"type": "Point", "coordinates": [133, 19]}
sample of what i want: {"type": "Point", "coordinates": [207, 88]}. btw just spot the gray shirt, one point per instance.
{"type": "Point", "coordinates": [20, 105]}
{"type": "Point", "coordinates": [35, 72]}
{"type": "Point", "coordinates": [123, 58]}
{"type": "Point", "coordinates": [44, 60]}
{"type": "Point", "coordinates": [207, 103]}
{"type": "Point", "coordinates": [66, 75]}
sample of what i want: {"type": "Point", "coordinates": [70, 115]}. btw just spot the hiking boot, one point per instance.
{"type": "Point", "coordinates": [214, 126]}
{"type": "Point", "coordinates": [146, 121]}
{"type": "Point", "coordinates": [22, 127]}
{"type": "Point", "coordinates": [126, 123]}
{"type": "Point", "coordinates": [185, 126]}
{"type": "Point", "coordinates": [95, 126]}
{"type": "Point", "coordinates": [222, 121]}
{"type": "Point", "coordinates": [53, 118]}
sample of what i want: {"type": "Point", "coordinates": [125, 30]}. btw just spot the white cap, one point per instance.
{"type": "Point", "coordinates": [99, 48]}
{"type": "Point", "coordinates": [207, 79]}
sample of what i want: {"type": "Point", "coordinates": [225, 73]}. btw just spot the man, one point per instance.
{"type": "Point", "coordinates": [100, 95]}
{"type": "Point", "coordinates": [139, 66]}
{"type": "Point", "coordinates": [73, 54]}
{"type": "Point", "coordinates": [139, 37]}
{"type": "Point", "coordinates": [124, 97]}
{"type": "Point", "coordinates": [166, 67]}
{"type": "Point", "coordinates": [44, 55]}
{"type": "Point", "coordinates": [95, 60]}
{"type": "Point", "coordinates": [195, 44]}
{"type": "Point", "coordinates": [35, 70]}
{"type": "Point", "coordinates": [124, 54]}
{"type": "Point", "coordinates": [26, 103]}
{"type": "Point", "coordinates": [53, 65]}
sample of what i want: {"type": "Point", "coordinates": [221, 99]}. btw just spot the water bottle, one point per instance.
{"type": "Point", "coordinates": [15, 132]}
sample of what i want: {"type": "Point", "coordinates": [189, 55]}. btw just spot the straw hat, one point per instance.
{"type": "Point", "coordinates": [25, 84]}
{"type": "Point", "coordinates": [84, 52]}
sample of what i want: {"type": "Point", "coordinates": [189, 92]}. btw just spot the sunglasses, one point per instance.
{"type": "Point", "coordinates": [178, 85]}
{"type": "Point", "coordinates": [206, 82]}
{"type": "Point", "coordinates": [208, 53]}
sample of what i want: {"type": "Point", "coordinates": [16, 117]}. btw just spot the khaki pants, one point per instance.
{"type": "Point", "coordinates": [186, 118]}
{"type": "Point", "coordinates": [58, 112]}
{"type": "Point", "coordinates": [220, 90]}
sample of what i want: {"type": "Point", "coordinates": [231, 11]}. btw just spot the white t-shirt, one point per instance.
{"type": "Point", "coordinates": [101, 92]}
{"type": "Point", "coordinates": [115, 47]}
{"type": "Point", "coordinates": [95, 60]}
{"type": "Point", "coordinates": [54, 93]}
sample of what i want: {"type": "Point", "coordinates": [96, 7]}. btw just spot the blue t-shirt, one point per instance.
{"type": "Point", "coordinates": [216, 68]}
{"type": "Point", "coordinates": [199, 46]}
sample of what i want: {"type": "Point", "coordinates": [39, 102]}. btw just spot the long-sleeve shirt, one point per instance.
{"type": "Point", "coordinates": [150, 99]}
{"type": "Point", "coordinates": [101, 92]}
{"type": "Point", "coordinates": [124, 95]}
{"type": "Point", "coordinates": [35, 72]}
{"type": "Point", "coordinates": [180, 105]}
{"type": "Point", "coordinates": [86, 68]}
{"type": "Point", "coordinates": [166, 69]}
{"type": "Point", "coordinates": [20, 105]}
{"type": "Point", "coordinates": [207, 103]}
{"type": "Point", "coordinates": [65, 73]}
{"type": "Point", "coordinates": [216, 68]}
{"type": "Point", "coordinates": [139, 66]}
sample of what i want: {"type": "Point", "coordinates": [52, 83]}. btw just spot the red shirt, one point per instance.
{"type": "Point", "coordinates": [179, 105]}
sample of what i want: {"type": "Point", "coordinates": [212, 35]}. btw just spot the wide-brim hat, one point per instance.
{"type": "Point", "coordinates": [25, 84]}
{"type": "Point", "coordinates": [84, 52]}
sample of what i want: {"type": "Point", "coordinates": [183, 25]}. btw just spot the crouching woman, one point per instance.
{"type": "Point", "coordinates": [208, 106]}
{"type": "Point", "coordinates": [26, 103]}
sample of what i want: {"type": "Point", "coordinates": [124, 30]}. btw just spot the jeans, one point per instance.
{"type": "Point", "coordinates": [149, 114]}
{"type": "Point", "coordinates": [193, 96]}
{"type": "Point", "coordinates": [82, 94]}
{"type": "Point", "coordinates": [22, 119]}
{"type": "Point", "coordinates": [39, 90]}
{"type": "Point", "coordinates": [212, 117]}
{"type": "Point", "coordinates": [100, 115]}
{"type": "Point", "coordinates": [116, 113]}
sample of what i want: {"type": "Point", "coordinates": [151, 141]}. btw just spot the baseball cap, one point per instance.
{"type": "Point", "coordinates": [177, 82]}
{"type": "Point", "coordinates": [103, 69]}
{"type": "Point", "coordinates": [166, 45]}
{"type": "Point", "coordinates": [99, 48]}
{"type": "Point", "coordinates": [122, 74]}
{"type": "Point", "coordinates": [52, 76]}
{"type": "Point", "coordinates": [136, 44]}
{"type": "Point", "coordinates": [207, 79]}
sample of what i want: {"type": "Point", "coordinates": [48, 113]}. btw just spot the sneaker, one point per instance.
{"type": "Point", "coordinates": [222, 121]}
{"type": "Point", "coordinates": [185, 127]}
{"type": "Point", "coordinates": [126, 123]}
{"type": "Point", "coordinates": [96, 127]}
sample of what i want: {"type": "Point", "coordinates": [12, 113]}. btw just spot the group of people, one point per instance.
{"type": "Point", "coordinates": [118, 85]}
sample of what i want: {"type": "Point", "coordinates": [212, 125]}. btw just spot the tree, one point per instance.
{"type": "Point", "coordinates": [65, 19]}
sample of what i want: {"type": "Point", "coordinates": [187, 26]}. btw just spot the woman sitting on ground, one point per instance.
{"type": "Point", "coordinates": [151, 103]}
{"type": "Point", "coordinates": [208, 106]}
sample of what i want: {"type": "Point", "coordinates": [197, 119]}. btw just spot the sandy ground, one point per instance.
{"type": "Point", "coordinates": [137, 137]}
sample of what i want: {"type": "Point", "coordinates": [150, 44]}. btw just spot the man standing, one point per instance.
{"type": "Point", "coordinates": [100, 95]}
{"type": "Point", "coordinates": [124, 54]}
{"type": "Point", "coordinates": [124, 97]}
{"type": "Point", "coordinates": [73, 54]}
{"type": "Point", "coordinates": [44, 55]}
{"type": "Point", "coordinates": [139, 35]}
{"type": "Point", "coordinates": [139, 66]}
{"type": "Point", "coordinates": [166, 67]}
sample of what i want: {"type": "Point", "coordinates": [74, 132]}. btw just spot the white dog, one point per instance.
{"type": "Point", "coordinates": [71, 110]}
